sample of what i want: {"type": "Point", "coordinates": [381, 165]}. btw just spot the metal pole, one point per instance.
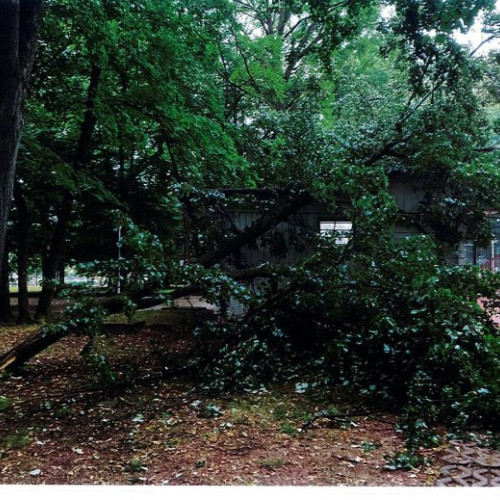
{"type": "Point", "coordinates": [119, 245]}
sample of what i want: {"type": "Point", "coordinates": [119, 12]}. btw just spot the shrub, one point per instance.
{"type": "Point", "coordinates": [245, 360]}
{"type": "Point", "coordinates": [394, 323]}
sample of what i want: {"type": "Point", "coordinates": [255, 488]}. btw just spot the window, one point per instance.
{"type": "Point", "coordinates": [342, 227]}
{"type": "Point", "coordinates": [487, 257]}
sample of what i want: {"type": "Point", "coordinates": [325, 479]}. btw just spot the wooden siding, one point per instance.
{"type": "Point", "coordinates": [306, 221]}
{"type": "Point", "coordinates": [284, 244]}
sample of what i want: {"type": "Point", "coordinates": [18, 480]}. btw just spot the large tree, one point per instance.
{"type": "Point", "coordinates": [153, 103]}
{"type": "Point", "coordinates": [19, 23]}
{"type": "Point", "coordinates": [124, 107]}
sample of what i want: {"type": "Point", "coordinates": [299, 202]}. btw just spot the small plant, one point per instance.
{"type": "Point", "coordinates": [104, 373]}
{"type": "Point", "coordinates": [63, 412]}
{"type": "Point", "coordinates": [289, 429]}
{"type": "Point", "coordinates": [272, 463]}
{"type": "Point", "coordinates": [137, 465]}
{"type": "Point", "coordinates": [16, 440]}
{"type": "Point", "coordinates": [280, 412]}
{"type": "Point", "coordinates": [5, 403]}
{"type": "Point", "coordinates": [240, 415]}
{"type": "Point", "coordinates": [404, 461]}
{"type": "Point", "coordinates": [172, 443]}
{"type": "Point", "coordinates": [368, 446]}
{"type": "Point", "coordinates": [298, 413]}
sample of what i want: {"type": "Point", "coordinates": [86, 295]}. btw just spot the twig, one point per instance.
{"type": "Point", "coordinates": [329, 416]}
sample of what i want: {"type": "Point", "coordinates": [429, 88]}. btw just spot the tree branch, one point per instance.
{"type": "Point", "coordinates": [258, 228]}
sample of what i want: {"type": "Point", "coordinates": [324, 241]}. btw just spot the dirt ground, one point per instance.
{"type": "Point", "coordinates": [58, 425]}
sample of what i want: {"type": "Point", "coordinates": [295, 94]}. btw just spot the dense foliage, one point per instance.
{"type": "Point", "coordinates": [395, 326]}
{"type": "Point", "coordinates": [140, 113]}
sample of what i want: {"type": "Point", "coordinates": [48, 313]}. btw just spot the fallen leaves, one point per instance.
{"type": "Point", "coordinates": [170, 433]}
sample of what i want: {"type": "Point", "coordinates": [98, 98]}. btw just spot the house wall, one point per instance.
{"type": "Point", "coordinates": [284, 244]}
{"type": "Point", "coordinates": [488, 257]}
{"type": "Point", "coordinates": [307, 221]}
{"type": "Point", "coordinates": [407, 193]}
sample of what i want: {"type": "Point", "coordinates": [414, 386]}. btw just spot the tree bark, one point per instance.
{"type": "Point", "coordinates": [23, 228]}
{"type": "Point", "coordinates": [34, 344]}
{"type": "Point", "coordinates": [61, 272]}
{"type": "Point", "coordinates": [5, 309]}
{"type": "Point", "coordinates": [50, 264]}
{"type": "Point", "coordinates": [44, 338]}
{"type": "Point", "coordinates": [19, 22]}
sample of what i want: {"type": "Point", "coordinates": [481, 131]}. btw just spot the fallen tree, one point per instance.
{"type": "Point", "coordinates": [29, 348]}
{"type": "Point", "coordinates": [85, 317]}
{"type": "Point", "coordinates": [261, 226]}
{"type": "Point", "coordinates": [49, 335]}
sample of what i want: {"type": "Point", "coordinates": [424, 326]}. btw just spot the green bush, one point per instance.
{"type": "Point", "coordinates": [416, 336]}
{"type": "Point", "coordinates": [245, 361]}
{"type": "Point", "coordinates": [5, 403]}
{"type": "Point", "coordinates": [394, 322]}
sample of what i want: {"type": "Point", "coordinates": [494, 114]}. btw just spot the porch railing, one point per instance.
{"type": "Point", "coordinates": [492, 264]}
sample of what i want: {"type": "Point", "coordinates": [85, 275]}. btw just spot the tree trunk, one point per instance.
{"type": "Point", "coordinates": [61, 271]}
{"type": "Point", "coordinates": [52, 261]}
{"type": "Point", "coordinates": [23, 228]}
{"type": "Point", "coordinates": [34, 344]}
{"type": "Point", "coordinates": [44, 338]}
{"type": "Point", "coordinates": [5, 309]}
{"type": "Point", "coordinates": [11, 94]}
{"type": "Point", "coordinates": [50, 264]}
{"type": "Point", "coordinates": [258, 228]}
{"type": "Point", "coordinates": [19, 20]}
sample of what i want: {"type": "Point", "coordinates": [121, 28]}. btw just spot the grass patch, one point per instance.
{"type": "Point", "coordinates": [137, 465]}
{"type": "Point", "coordinates": [31, 288]}
{"type": "Point", "coordinates": [63, 412]}
{"type": "Point", "coordinates": [280, 411]}
{"type": "Point", "coordinates": [288, 428]}
{"type": "Point", "coordinates": [404, 461]}
{"type": "Point", "coordinates": [272, 463]}
{"type": "Point", "coordinates": [5, 403]}
{"type": "Point", "coordinates": [15, 440]}
{"type": "Point", "coordinates": [367, 446]}
{"type": "Point", "coordinates": [290, 410]}
{"type": "Point", "coordinates": [182, 319]}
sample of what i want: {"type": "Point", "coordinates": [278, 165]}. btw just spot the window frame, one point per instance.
{"type": "Point", "coordinates": [344, 233]}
